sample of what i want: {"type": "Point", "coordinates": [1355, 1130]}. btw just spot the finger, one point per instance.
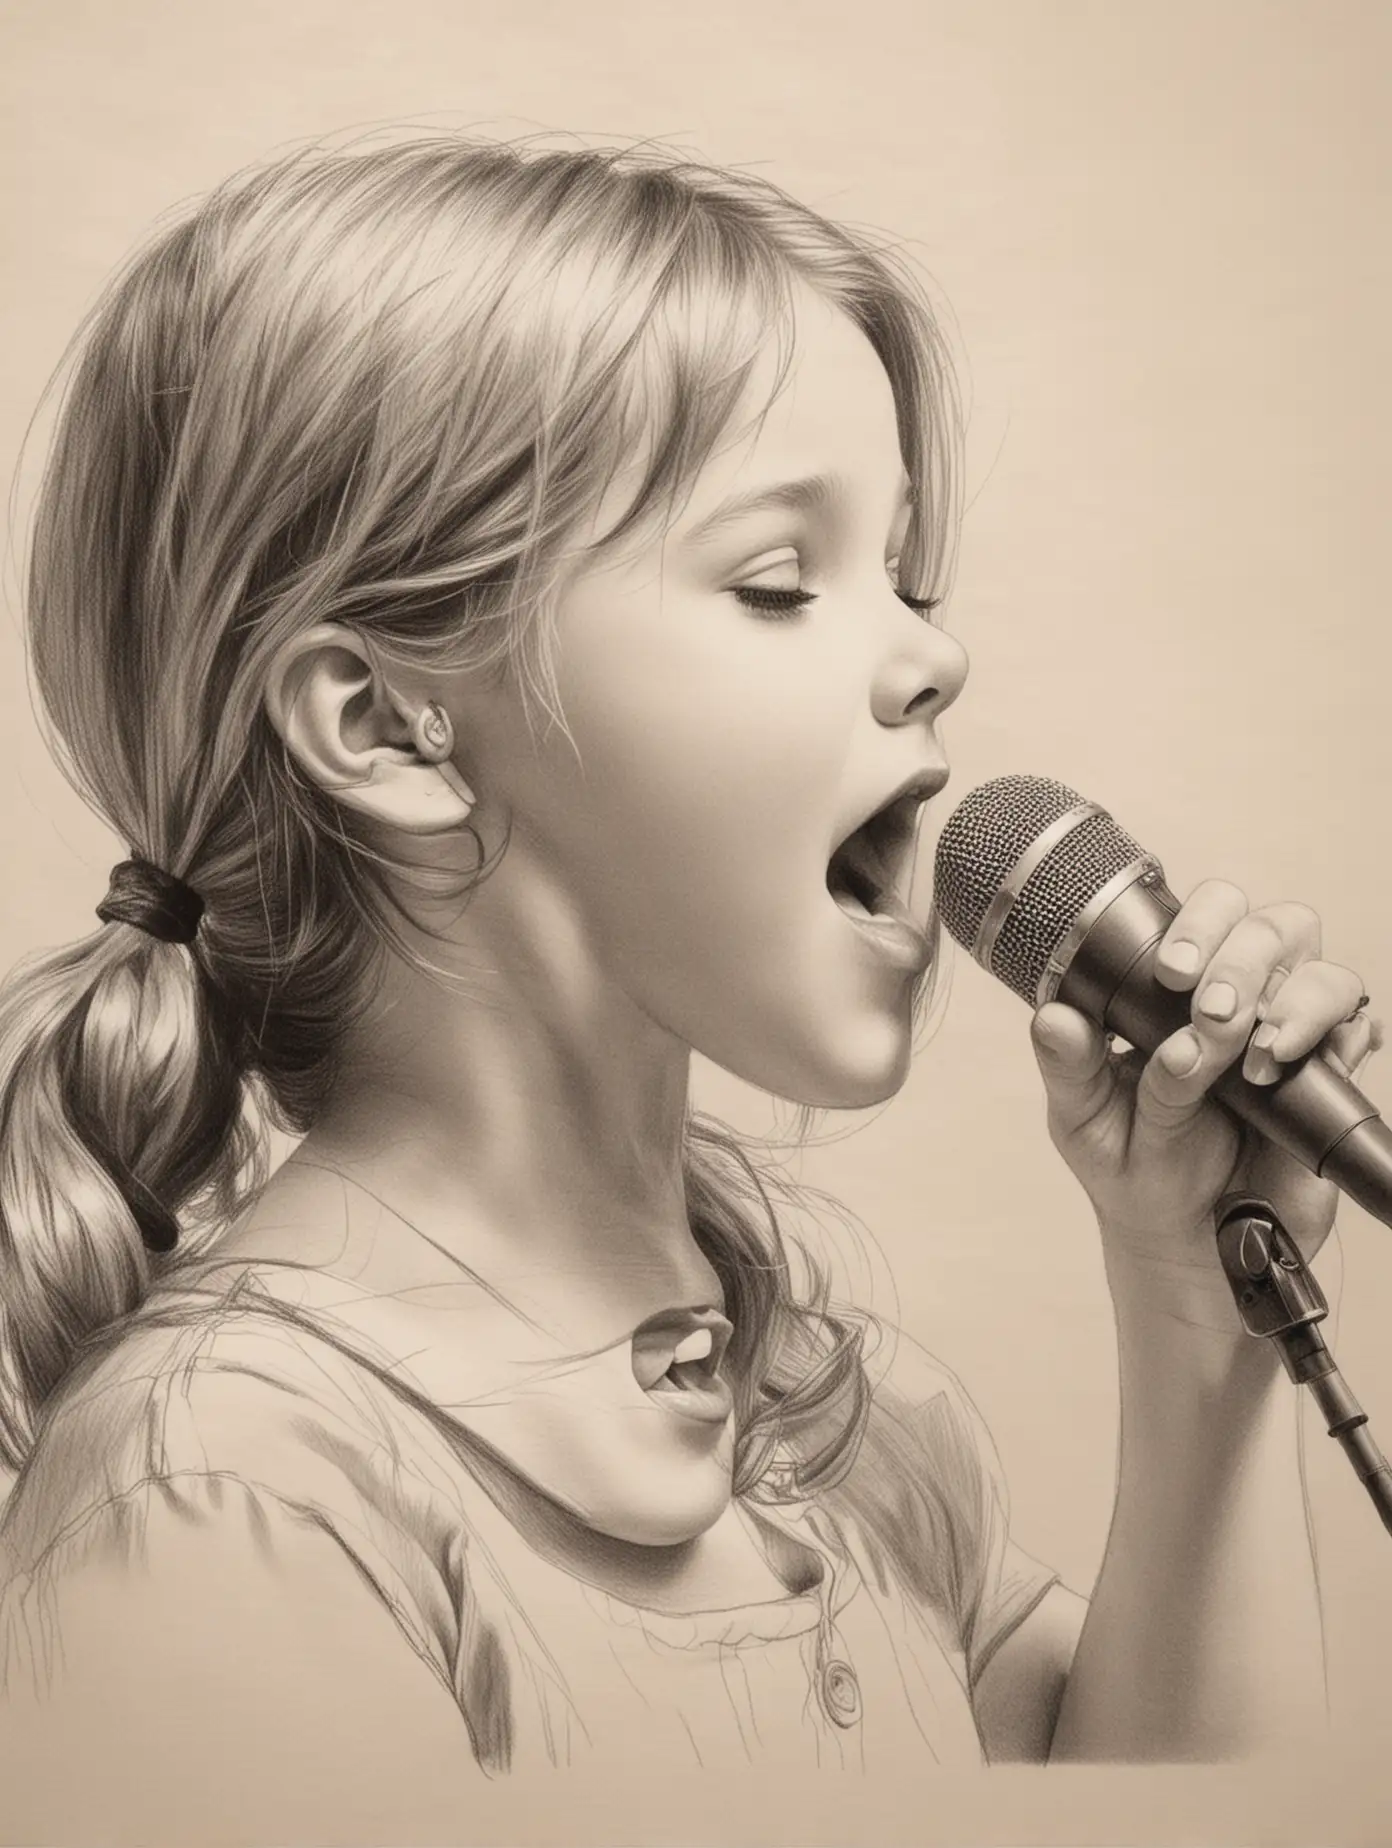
{"type": "Point", "coordinates": [1273, 985]}
{"type": "Point", "coordinates": [1242, 970]}
{"type": "Point", "coordinates": [1314, 999]}
{"type": "Point", "coordinates": [1075, 1061]}
{"type": "Point", "coordinates": [1173, 1086]}
{"type": "Point", "coordinates": [1199, 926]}
{"type": "Point", "coordinates": [1308, 946]}
{"type": "Point", "coordinates": [1350, 1045]}
{"type": "Point", "coordinates": [1376, 1038]}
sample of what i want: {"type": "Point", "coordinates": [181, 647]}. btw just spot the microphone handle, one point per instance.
{"type": "Point", "coordinates": [1312, 1111]}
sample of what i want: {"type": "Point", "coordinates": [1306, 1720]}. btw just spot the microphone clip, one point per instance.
{"type": "Point", "coordinates": [1279, 1300]}
{"type": "Point", "coordinates": [1273, 1287]}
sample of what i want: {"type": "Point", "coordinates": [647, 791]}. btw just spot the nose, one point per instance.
{"type": "Point", "coordinates": [920, 677]}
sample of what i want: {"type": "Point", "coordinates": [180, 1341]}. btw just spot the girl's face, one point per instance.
{"type": "Point", "coordinates": [743, 694]}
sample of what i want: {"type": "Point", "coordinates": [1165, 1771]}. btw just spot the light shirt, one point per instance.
{"type": "Point", "coordinates": [228, 1513]}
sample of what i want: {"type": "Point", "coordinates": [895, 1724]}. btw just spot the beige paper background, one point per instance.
{"type": "Point", "coordinates": [1162, 233]}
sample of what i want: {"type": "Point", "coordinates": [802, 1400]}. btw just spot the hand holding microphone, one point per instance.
{"type": "Point", "coordinates": [1055, 899]}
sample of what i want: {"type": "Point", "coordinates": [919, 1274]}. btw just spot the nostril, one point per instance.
{"type": "Point", "coordinates": [919, 700]}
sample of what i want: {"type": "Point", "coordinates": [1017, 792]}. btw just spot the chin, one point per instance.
{"type": "Point", "coordinates": [864, 1064]}
{"type": "Point", "coordinates": [677, 1504]}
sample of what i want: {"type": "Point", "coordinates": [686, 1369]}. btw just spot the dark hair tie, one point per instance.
{"type": "Point", "coordinates": [153, 901]}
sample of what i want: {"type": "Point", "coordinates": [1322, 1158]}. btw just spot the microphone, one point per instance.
{"type": "Point", "coordinates": [1058, 902]}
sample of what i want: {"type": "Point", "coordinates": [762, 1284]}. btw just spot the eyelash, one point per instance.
{"type": "Point", "coordinates": [921, 606]}
{"type": "Point", "coordinates": [771, 601]}
{"type": "Point", "coordinates": [780, 604]}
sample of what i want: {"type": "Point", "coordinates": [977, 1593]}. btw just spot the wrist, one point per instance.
{"type": "Point", "coordinates": [1177, 1276]}
{"type": "Point", "coordinates": [1177, 1319]}
{"type": "Point", "coordinates": [1184, 1387]}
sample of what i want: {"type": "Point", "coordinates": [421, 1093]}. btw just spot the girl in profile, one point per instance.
{"type": "Point", "coordinates": [495, 592]}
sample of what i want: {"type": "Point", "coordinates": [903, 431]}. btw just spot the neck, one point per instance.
{"type": "Point", "coordinates": [520, 1107]}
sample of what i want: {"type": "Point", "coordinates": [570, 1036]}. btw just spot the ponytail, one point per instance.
{"type": "Point", "coordinates": [121, 1107]}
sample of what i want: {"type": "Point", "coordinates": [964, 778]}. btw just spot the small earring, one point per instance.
{"type": "Point", "coordinates": [434, 736]}
{"type": "Point", "coordinates": [433, 729]}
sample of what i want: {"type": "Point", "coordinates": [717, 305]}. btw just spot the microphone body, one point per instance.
{"type": "Point", "coordinates": [1052, 897]}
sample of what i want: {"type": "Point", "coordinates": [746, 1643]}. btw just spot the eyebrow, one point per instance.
{"type": "Point", "coordinates": [808, 494]}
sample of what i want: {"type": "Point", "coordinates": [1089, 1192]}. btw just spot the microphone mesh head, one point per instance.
{"type": "Point", "coordinates": [979, 849]}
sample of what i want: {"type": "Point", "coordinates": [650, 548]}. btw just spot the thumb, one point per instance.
{"type": "Point", "coordinates": [1075, 1061]}
{"type": "Point", "coordinates": [1173, 1086]}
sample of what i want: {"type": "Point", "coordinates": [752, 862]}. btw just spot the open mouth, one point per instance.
{"type": "Point", "coordinates": [870, 873]}
{"type": "Point", "coordinates": [677, 1356]}
{"type": "Point", "coordinates": [693, 1367]}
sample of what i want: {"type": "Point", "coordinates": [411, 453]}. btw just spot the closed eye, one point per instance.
{"type": "Point", "coordinates": [773, 599]}
{"type": "Point", "coordinates": [924, 606]}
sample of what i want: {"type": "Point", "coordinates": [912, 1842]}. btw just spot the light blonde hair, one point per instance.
{"type": "Point", "coordinates": [387, 388]}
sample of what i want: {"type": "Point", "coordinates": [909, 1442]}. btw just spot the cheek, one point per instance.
{"type": "Point", "coordinates": [709, 788]}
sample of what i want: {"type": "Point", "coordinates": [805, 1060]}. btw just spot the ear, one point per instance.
{"type": "Point", "coordinates": [358, 738]}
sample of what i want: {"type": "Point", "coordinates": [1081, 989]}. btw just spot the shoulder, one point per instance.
{"type": "Point", "coordinates": [210, 1545]}
{"type": "Point", "coordinates": [237, 1364]}
{"type": "Point", "coordinates": [207, 1399]}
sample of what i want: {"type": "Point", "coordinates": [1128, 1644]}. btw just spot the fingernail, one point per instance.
{"type": "Point", "coordinates": [1182, 957]}
{"type": "Point", "coordinates": [1261, 1066]}
{"type": "Point", "coordinates": [1180, 1055]}
{"type": "Point", "coordinates": [1218, 1001]}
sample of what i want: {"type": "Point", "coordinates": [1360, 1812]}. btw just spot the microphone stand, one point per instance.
{"type": "Point", "coordinates": [1278, 1299]}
